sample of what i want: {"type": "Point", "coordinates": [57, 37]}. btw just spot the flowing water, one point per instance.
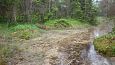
{"type": "Point", "coordinates": [96, 59]}
{"type": "Point", "coordinates": [92, 56]}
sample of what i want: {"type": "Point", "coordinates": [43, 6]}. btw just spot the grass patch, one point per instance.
{"type": "Point", "coordinates": [24, 31]}
{"type": "Point", "coordinates": [106, 44]}
{"type": "Point", "coordinates": [23, 27]}
{"type": "Point", "coordinates": [65, 23]}
{"type": "Point", "coordinates": [19, 31]}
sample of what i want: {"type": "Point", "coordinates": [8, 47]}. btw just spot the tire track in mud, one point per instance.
{"type": "Point", "coordinates": [68, 50]}
{"type": "Point", "coordinates": [53, 48]}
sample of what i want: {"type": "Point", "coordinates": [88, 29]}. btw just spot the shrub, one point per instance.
{"type": "Point", "coordinates": [105, 45]}
{"type": "Point", "coordinates": [22, 34]}
{"type": "Point", "coordinates": [65, 23]}
{"type": "Point", "coordinates": [61, 23]}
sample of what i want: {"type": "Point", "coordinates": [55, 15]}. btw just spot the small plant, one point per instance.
{"type": "Point", "coordinates": [26, 34]}
{"type": "Point", "coordinates": [63, 23]}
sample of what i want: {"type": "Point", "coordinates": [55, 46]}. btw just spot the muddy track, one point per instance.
{"type": "Point", "coordinates": [54, 47]}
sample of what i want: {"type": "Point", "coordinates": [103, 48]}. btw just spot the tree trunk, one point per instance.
{"type": "Point", "coordinates": [27, 7]}
{"type": "Point", "coordinates": [14, 13]}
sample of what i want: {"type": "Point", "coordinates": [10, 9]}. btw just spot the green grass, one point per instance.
{"type": "Point", "coordinates": [23, 27]}
{"type": "Point", "coordinates": [24, 31]}
{"type": "Point", "coordinates": [20, 31]}
{"type": "Point", "coordinates": [106, 44]}
{"type": "Point", "coordinates": [64, 23]}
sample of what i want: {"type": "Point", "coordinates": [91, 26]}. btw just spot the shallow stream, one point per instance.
{"type": "Point", "coordinates": [92, 56]}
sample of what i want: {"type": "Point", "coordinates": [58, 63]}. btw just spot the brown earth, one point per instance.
{"type": "Point", "coordinates": [54, 47]}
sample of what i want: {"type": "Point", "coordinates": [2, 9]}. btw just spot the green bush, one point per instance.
{"type": "Point", "coordinates": [61, 23]}
{"type": "Point", "coordinates": [65, 23]}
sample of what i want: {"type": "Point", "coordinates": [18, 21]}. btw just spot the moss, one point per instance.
{"type": "Point", "coordinates": [105, 45]}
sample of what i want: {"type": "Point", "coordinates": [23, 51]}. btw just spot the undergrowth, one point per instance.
{"type": "Point", "coordinates": [65, 23]}
{"type": "Point", "coordinates": [24, 31]}
{"type": "Point", "coordinates": [19, 31]}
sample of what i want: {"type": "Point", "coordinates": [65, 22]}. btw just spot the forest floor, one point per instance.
{"type": "Point", "coordinates": [55, 47]}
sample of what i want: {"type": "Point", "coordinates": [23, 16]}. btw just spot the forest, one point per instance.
{"type": "Point", "coordinates": [57, 32]}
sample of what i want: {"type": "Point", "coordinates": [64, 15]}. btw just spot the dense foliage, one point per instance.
{"type": "Point", "coordinates": [50, 13]}
{"type": "Point", "coordinates": [43, 10]}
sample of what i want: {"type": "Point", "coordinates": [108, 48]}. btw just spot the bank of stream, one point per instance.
{"type": "Point", "coordinates": [91, 54]}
